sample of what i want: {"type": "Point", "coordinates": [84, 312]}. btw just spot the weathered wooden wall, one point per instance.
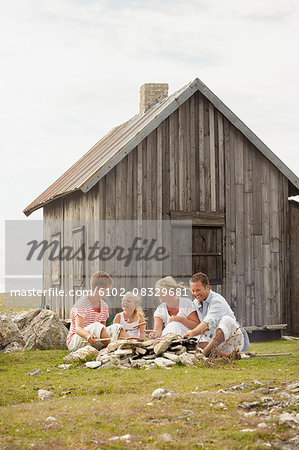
{"type": "Point", "coordinates": [198, 164]}
{"type": "Point", "coordinates": [294, 268]}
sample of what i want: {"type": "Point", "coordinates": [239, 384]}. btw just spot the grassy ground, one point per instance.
{"type": "Point", "coordinates": [91, 406]}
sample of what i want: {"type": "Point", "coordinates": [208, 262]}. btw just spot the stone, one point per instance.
{"type": "Point", "coordinates": [107, 365]}
{"type": "Point", "coordinates": [247, 430]}
{"type": "Point", "coordinates": [293, 387]}
{"type": "Point", "coordinates": [84, 354]}
{"type": "Point", "coordinates": [161, 393]}
{"type": "Point", "coordinates": [289, 418]}
{"type": "Point", "coordinates": [141, 351]}
{"type": "Point", "coordinates": [9, 333]}
{"type": "Point", "coordinates": [262, 425]}
{"type": "Point", "coordinates": [257, 383]}
{"type": "Point", "coordinates": [41, 329]}
{"type": "Point", "coordinates": [64, 366]}
{"type": "Point", "coordinates": [139, 363]}
{"type": "Point", "coordinates": [186, 359]}
{"type": "Point", "coordinates": [123, 352]}
{"type": "Point", "coordinates": [112, 347]}
{"type": "Point", "coordinates": [172, 337]}
{"type": "Point", "coordinates": [148, 343]}
{"type": "Point", "coordinates": [93, 364]}
{"type": "Point", "coordinates": [187, 412]}
{"type": "Point", "coordinates": [125, 437]}
{"type": "Point", "coordinates": [34, 372]}
{"type": "Point", "coordinates": [50, 419]}
{"type": "Point", "coordinates": [249, 405]}
{"type": "Point", "coordinates": [13, 347]}
{"type": "Point", "coordinates": [161, 347]}
{"type": "Point", "coordinates": [164, 362]}
{"type": "Point", "coordinates": [166, 437]}
{"type": "Point", "coordinates": [45, 395]}
{"type": "Point", "coordinates": [250, 414]}
{"type": "Point", "coordinates": [171, 356]}
{"type": "Point", "coordinates": [262, 391]}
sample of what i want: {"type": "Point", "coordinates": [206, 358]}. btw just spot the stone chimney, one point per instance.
{"type": "Point", "coordinates": [152, 93]}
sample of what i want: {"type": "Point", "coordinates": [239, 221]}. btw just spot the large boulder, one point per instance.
{"type": "Point", "coordinates": [9, 333]}
{"type": "Point", "coordinates": [41, 329]}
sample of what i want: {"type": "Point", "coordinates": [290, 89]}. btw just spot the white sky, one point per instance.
{"type": "Point", "coordinates": [71, 70]}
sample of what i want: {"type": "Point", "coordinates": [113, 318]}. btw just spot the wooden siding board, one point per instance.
{"type": "Point", "coordinates": [212, 157]}
{"type": "Point", "coordinates": [201, 150]}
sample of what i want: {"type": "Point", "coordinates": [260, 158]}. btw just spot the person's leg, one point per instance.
{"type": "Point", "coordinates": [227, 340]}
{"type": "Point", "coordinates": [216, 340]}
{"type": "Point", "coordinates": [116, 331]}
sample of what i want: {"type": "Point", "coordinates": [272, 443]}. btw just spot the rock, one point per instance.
{"type": "Point", "coordinates": [112, 347]}
{"type": "Point", "coordinates": [161, 393]}
{"type": "Point", "coordinates": [161, 347]}
{"type": "Point", "coordinates": [107, 365]}
{"type": "Point", "coordinates": [186, 359]}
{"type": "Point", "coordinates": [293, 387]}
{"type": "Point", "coordinates": [13, 347]}
{"type": "Point", "coordinates": [41, 329]}
{"type": "Point", "coordinates": [141, 351]}
{"type": "Point", "coordinates": [262, 425]}
{"type": "Point", "coordinates": [34, 372]}
{"type": "Point", "coordinates": [247, 430]}
{"type": "Point", "coordinates": [164, 362]}
{"type": "Point", "coordinates": [262, 391]}
{"type": "Point", "coordinates": [93, 364]}
{"type": "Point", "coordinates": [84, 354]}
{"type": "Point", "coordinates": [171, 356]}
{"type": "Point", "coordinates": [289, 418]}
{"type": "Point", "coordinates": [250, 414]}
{"type": "Point", "coordinates": [257, 383]}
{"type": "Point", "coordinates": [9, 333]}
{"type": "Point", "coordinates": [187, 412]}
{"type": "Point", "coordinates": [166, 437]}
{"type": "Point", "coordinates": [123, 352]}
{"type": "Point", "coordinates": [125, 437]}
{"type": "Point", "coordinates": [249, 405]}
{"type": "Point", "coordinates": [231, 390]}
{"type": "Point", "coordinates": [171, 337]}
{"type": "Point", "coordinates": [64, 366]}
{"type": "Point", "coordinates": [148, 343]}
{"type": "Point", "coordinates": [50, 419]}
{"type": "Point", "coordinates": [177, 348]}
{"type": "Point", "coordinates": [45, 395]}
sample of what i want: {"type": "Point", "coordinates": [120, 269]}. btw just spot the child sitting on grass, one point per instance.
{"type": "Point", "coordinates": [132, 318]}
{"type": "Point", "coordinates": [89, 315]}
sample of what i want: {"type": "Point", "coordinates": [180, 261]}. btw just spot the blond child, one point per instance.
{"type": "Point", "coordinates": [131, 317]}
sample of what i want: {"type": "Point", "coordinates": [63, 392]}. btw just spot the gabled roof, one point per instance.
{"type": "Point", "coordinates": [113, 147]}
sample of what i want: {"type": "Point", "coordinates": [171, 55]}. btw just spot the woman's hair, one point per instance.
{"type": "Point", "coordinates": [169, 283]}
{"type": "Point", "coordinates": [138, 312]}
{"type": "Point", "coordinates": [101, 280]}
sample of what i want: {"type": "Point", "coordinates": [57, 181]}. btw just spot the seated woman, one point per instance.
{"type": "Point", "coordinates": [132, 317]}
{"type": "Point", "coordinates": [177, 314]}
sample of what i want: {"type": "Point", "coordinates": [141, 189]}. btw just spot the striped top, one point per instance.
{"type": "Point", "coordinates": [84, 308]}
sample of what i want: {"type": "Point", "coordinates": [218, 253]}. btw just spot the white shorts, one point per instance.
{"type": "Point", "coordinates": [96, 329]}
{"type": "Point", "coordinates": [234, 339]}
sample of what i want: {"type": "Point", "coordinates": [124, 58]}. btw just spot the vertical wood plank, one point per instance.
{"type": "Point", "coordinates": [212, 157]}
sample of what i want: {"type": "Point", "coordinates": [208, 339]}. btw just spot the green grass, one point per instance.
{"type": "Point", "coordinates": [113, 402]}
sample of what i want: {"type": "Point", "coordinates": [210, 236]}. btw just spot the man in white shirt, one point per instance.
{"type": "Point", "coordinates": [218, 329]}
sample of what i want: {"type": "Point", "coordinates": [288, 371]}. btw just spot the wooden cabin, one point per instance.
{"type": "Point", "coordinates": [186, 157]}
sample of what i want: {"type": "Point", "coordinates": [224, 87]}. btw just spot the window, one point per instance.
{"type": "Point", "coordinates": [207, 252]}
